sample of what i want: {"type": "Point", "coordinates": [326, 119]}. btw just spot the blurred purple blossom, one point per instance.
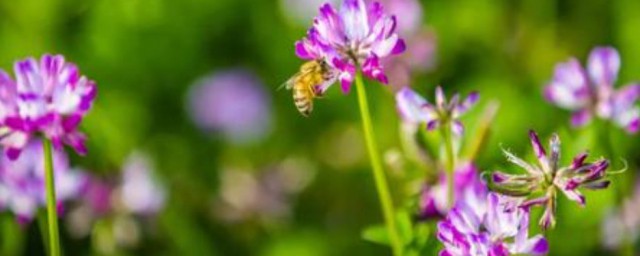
{"type": "Point", "coordinates": [591, 93]}
{"type": "Point", "coordinates": [141, 192]}
{"type": "Point", "coordinates": [622, 225]}
{"type": "Point", "coordinates": [497, 228]}
{"type": "Point", "coordinates": [415, 109]}
{"type": "Point", "coordinates": [468, 189]}
{"type": "Point", "coordinates": [549, 177]}
{"type": "Point", "coordinates": [232, 102]}
{"type": "Point", "coordinates": [420, 43]}
{"type": "Point", "coordinates": [358, 36]}
{"type": "Point", "coordinates": [22, 188]}
{"type": "Point", "coordinates": [48, 97]}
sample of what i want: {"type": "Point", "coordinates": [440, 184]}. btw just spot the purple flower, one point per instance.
{"type": "Point", "coordinates": [140, 192]}
{"type": "Point", "coordinates": [232, 102]}
{"type": "Point", "coordinates": [591, 93]}
{"type": "Point", "coordinates": [496, 229]}
{"type": "Point", "coordinates": [22, 182]}
{"type": "Point", "coordinates": [547, 178]}
{"type": "Point", "coordinates": [468, 189]}
{"type": "Point", "coordinates": [622, 225]}
{"type": "Point", "coordinates": [359, 35]}
{"type": "Point", "coordinates": [48, 97]}
{"type": "Point", "coordinates": [415, 109]}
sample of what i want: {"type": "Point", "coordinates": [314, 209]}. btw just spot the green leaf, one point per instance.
{"type": "Point", "coordinates": [403, 220]}
{"type": "Point", "coordinates": [376, 234]}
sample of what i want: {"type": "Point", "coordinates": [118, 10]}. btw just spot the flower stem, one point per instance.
{"type": "Point", "coordinates": [52, 215]}
{"type": "Point", "coordinates": [445, 129]}
{"type": "Point", "coordinates": [378, 173]}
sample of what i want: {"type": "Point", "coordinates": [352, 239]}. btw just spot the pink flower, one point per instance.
{"type": "Point", "coordinates": [591, 93]}
{"type": "Point", "coordinates": [48, 97]}
{"type": "Point", "coordinates": [355, 37]}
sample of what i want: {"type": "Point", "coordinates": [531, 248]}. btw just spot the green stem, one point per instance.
{"type": "Point", "coordinates": [378, 173]}
{"type": "Point", "coordinates": [52, 214]}
{"type": "Point", "coordinates": [445, 129]}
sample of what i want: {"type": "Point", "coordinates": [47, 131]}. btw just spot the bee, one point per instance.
{"type": "Point", "coordinates": [309, 83]}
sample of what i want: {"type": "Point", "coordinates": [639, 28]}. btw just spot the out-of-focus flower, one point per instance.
{"type": "Point", "coordinates": [141, 192]}
{"type": "Point", "coordinates": [622, 225]}
{"type": "Point", "coordinates": [591, 93]}
{"type": "Point", "coordinates": [420, 43]}
{"type": "Point", "coordinates": [548, 177]}
{"type": "Point", "coordinates": [22, 181]}
{"type": "Point", "coordinates": [48, 97]}
{"type": "Point", "coordinates": [468, 189]}
{"type": "Point", "coordinates": [265, 196]}
{"type": "Point", "coordinates": [497, 229]}
{"type": "Point", "coordinates": [415, 109]}
{"type": "Point", "coordinates": [357, 36]}
{"type": "Point", "coordinates": [232, 102]}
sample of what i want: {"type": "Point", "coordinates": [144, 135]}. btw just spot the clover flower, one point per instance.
{"type": "Point", "coordinates": [469, 189]}
{"type": "Point", "coordinates": [22, 181]}
{"type": "Point", "coordinates": [233, 103]}
{"type": "Point", "coordinates": [48, 97]}
{"type": "Point", "coordinates": [415, 109]}
{"type": "Point", "coordinates": [549, 178]}
{"type": "Point", "coordinates": [497, 228]}
{"type": "Point", "coordinates": [591, 93]}
{"type": "Point", "coordinates": [355, 37]}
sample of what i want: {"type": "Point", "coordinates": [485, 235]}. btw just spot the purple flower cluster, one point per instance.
{"type": "Point", "coordinates": [549, 177]}
{"type": "Point", "coordinates": [469, 189]}
{"type": "Point", "coordinates": [48, 97]}
{"type": "Point", "coordinates": [22, 181]}
{"type": "Point", "coordinates": [496, 227]}
{"type": "Point", "coordinates": [356, 37]}
{"type": "Point", "coordinates": [591, 93]}
{"type": "Point", "coordinates": [415, 109]}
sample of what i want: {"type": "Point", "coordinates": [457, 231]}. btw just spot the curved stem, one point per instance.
{"type": "Point", "coordinates": [378, 173]}
{"type": "Point", "coordinates": [445, 129]}
{"type": "Point", "coordinates": [52, 214]}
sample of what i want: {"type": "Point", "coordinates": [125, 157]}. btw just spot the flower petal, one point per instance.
{"type": "Point", "coordinates": [410, 106]}
{"type": "Point", "coordinates": [569, 88]}
{"type": "Point", "coordinates": [603, 65]}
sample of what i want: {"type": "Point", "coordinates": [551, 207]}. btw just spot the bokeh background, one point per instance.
{"type": "Point", "coordinates": [192, 85]}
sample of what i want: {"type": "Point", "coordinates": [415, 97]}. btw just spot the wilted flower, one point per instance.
{"type": "Point", "coordinates": [232, 102]}
{"type": "Point", "coordinates": [415, 109]}
{"type": "Point", "coordinates": [497, 229]}
{"type": "Point", "coordinates": [49, 97]}
{"type": "Point", "coordinates": [548, 177]}
{"type": "Point", "coordinates": [22, 181]}
{"type": "Point", "coordinates": [357, 36]}
{"type": "Point", "coordinates": [592, 93]}
{"type": "Point", "coordinates": [468, 189]}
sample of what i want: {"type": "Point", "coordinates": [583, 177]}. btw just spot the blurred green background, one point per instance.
{"type": "Point", "coordinates": [146, 54]}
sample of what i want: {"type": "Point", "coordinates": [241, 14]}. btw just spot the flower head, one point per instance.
{"type": "Point", "coordinates": [48, 97]}
{"type": "Point", "coordinates": [356, 36]}
{"type": "Point", "coordinates": [548, 178]}
{"type": "Point", "coordinates": [141, 192]}
{"type": "Point", "coordinates": [590, 93]}
{"type": "Point", "coordinates": [233, 103]}
{"type": "Point", "coordinates": [22, 182]}
{"type": "Point", "coordinates": [415, 109]}
{"type": "Point", "coordinates": [469, 189]}
{"type": "Point", "coordinates": [497, 228]}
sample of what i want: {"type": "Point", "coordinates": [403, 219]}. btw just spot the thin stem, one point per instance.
{"type": "Point", "coordinates": [378, 173]}
{"type": "Point", "coordinates": [445, 129]}
{"type": "Point", "coordinates": [52, 215]}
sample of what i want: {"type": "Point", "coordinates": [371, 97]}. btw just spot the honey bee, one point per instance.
{"type": "Point", "coordinates": [309, 83]}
